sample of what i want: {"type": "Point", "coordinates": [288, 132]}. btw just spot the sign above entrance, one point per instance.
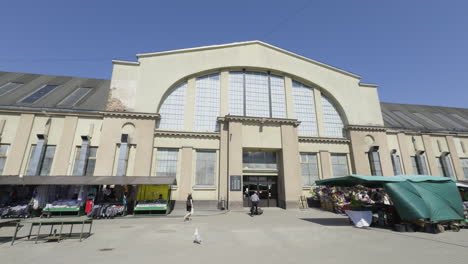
{"type": "Point", "coordinates": [235, 183]}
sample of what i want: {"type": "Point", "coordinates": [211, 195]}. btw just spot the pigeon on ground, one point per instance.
{"type": "Point", "coordinates": [196, 237]}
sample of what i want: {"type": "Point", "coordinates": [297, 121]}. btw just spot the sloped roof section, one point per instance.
{"type": "Point", "coordinates": [15, 87]}
{"type": "Point", "coordinates": [425, 118]}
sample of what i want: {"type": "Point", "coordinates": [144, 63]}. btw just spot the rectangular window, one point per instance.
{"type": "Point", "coordinates": [236, 93]}
{"type": "Point", "coordinates": [45, 164]}
{"type": "Point", "coordinates": [304, 106]}
{"type": "Point", "coordinates": [257, 94]}
{"type": "Point", "coordinates": [207, 103]}
{"type": "Point", "coordinates": [278, 97]}
{"type": "Point", "coordinates": [75, 96]}
{"type": "Point", "coordinates": [419, 164]}
{"type": "Point", "coordinates": [309, 168]}
{"type": "Point", "coordinates": [339, 165]}
{"type": "Point", "coordinates": [38, 94]}
{"type": "Point", "coordinates": [3, 156]}
{"type": "Point", "coordinates": [396, 164]}
{"type": "Point", "coordinates": [90, 161]}
{"type": "Point", "coordinates": [445, 166]}
{"type": "Point", "coordinates": [7, 87]}
{"type": "Point", "coordinates": [374, 160]}
{"type": "Point", "coordinates": [464, 164]}
{"type": "Point", "coordinates": [166, 162]}
{"type": "Point", "coordinates": [206, 167]}
{"type": "Point", "coordinates": [259, 160]}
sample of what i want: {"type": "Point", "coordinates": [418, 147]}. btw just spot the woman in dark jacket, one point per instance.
{"type": "Point", "coordinates": [189, 204]}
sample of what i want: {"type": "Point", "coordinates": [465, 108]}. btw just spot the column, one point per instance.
{"type": "Point", "coordinates": [359, 148]}
{"type": "Point", "coordinates": [19, 145]}
{"type": "Point", "coordinates": [291, 170]}
{"type": "Point", "coordinates": [110, 136]}
{"type": "Point", "coordinates": [65, 146]}
{"type": "Point", "coordinates": [223, 163]}
{"type": "Point", "coordinates": [325, 164]}
{"type": "Point", "coordinates": [235, 162]}
{"type": "Point", "coordinates": [403, 143]}
{"type": "Point", "coordinates": [431, 159]}
{"type": "Point", "coordinates": [144, 139]}
{"type": "Point", "coordinates": [458, 170]}
{"type": "Point", "coordinates": [186, 173]}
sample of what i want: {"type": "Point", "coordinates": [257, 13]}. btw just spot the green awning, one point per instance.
{"type": "Point", "coordinates": [414, 196]}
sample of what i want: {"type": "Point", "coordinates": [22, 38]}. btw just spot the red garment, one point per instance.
{"type": "Point", "coordinates": [89, 206]}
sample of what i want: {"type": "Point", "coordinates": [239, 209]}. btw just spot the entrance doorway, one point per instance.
{"type": "Point", "coordinates": [266, 187]}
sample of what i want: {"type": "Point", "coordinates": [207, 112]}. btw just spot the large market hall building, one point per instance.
{"type": "Point", "coordinates": [219, 122]}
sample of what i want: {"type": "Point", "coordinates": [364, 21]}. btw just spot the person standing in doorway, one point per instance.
{"type": "Point", "coordinates": [254, 199]}
{"type": "Point", "coordinates": [189, 205]}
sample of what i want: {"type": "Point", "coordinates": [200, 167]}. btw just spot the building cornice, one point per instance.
{"type": "Point", "coordinates": [260, 120]}
{"type": "Point", "coordinates": [131, 115]}
{"type": "Point", "coordinates": [422, 132]}
{"type": "Point", "coordinates": [131, 63]}
{"type": "Point", "coordinates": [325, 140]}
{"type": "Point", "coordinates": [366, 128]}
{"type": "Point", "coordinates": [368, 85]}
{"type": "Point", "coordinates": [166, 133]}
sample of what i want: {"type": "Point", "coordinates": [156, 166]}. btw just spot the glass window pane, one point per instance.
{"type": "Point", "coordinates": [339, 165]}
{"type": "Point", "coordinates": [7, 87]}
{"type": "Point", "coordinates": [206, 167]}
{"type": "Point", "coordinates": [38, 94]}
{"type": "Point", "coordinates": [309, 168]}
{"type": "Point", "coordinates": [304, 106]}
{"type": "Point", "coordinates": [75, 96]}
{"type": "Point", "coordinates": [167, 162]}
{"type": "Point", "coordinates": [47, 161]}
{"type": "Point", "coordinates": [172, 110]}
{"type": "Point", "coordinates": [278, 97]}
{"type": "Point", "coordinates": [257, 96]}
{"type": "Point", "coordinates": [3, 156]}
{"type": "Point", "coordinates": [332, 121]}
{"type": "Point", "coordinates": [207, 103]}
{"type": "Point", "coordinates": [236, 93]}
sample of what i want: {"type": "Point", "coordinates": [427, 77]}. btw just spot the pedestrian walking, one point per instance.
{"type": "Point", "coordinates": [254, 199]}
{"type": "Point", "coordinates": [189, 205]}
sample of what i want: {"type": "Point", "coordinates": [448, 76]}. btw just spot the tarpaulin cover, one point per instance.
{"type": "Point", "coordinates": [414, 196]}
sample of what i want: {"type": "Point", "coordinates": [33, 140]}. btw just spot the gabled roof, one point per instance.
{"type": "Point", "coordinates": [237, 44]}
{"type": "Point", "coordinates": [425, 117]}
{"type": "Point", "coordinates": [94, 99]}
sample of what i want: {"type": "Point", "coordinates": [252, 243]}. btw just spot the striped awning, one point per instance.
{"type": "Point", "coordinates": [86, 180]}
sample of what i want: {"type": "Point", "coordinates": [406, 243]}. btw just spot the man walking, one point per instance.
{"type": "Point", "coordinates": [254, 199]}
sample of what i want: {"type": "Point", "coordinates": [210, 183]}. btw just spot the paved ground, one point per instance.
{"type": "Point", "coordinates": [278, 236]}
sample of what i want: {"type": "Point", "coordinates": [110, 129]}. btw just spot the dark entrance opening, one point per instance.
{"type": "Point", "coordinates": [266, 187]}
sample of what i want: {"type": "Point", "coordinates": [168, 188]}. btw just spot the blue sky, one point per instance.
{"type": "Point", "coordinates": [416, 51]}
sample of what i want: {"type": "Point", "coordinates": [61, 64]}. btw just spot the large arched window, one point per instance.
{"type": "Point", "coordinates": [173, 108]}
{"type": "Point", "coordinates": [304, 106]}
{"type": "Point", "coordinates": [207, 102]}
{"type": "Point", "coordinates": [256, 94]}
{"type": "Point", "coordinates": [332, 121]}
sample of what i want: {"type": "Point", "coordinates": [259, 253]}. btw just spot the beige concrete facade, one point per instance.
{"type": "Point", "coordinates": [140, 88]}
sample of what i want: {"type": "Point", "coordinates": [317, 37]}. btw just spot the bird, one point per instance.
{"type": "Point", "coordinates": [196, 237]}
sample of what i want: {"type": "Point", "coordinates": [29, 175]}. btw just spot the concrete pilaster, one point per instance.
{"type": "Point", "coordinates": [291, 170]}
{"type": "Point", "coordinates": [431, 159]}
{"type": "Point", "coordinates": [319, 112]}
{"type": "Point", "coordinates": [403, 142]}
{"type": "Point", "coordinates": [111, 131]}
{"type": "Point", "coordinates": [235, 162]}
{"type": "Point", "coordinates": [325, 163]}
{"type": "Point", "coordinates": [185, 184]}
{"type": "Point", "coordinates": [458, 170]}
{"type": "Point", "coordinates": [144, 138]}
{"type": "Point", "coordinates": [65, 147]}
{"type": "Point", "coordinates": [19, 145]}
{"type": "Point", "coordinates": [190, 104]}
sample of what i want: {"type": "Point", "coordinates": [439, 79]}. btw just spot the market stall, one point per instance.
{"type": "Point", "coordinates": [418, 199]}
{"type": "Point", "coordinates": [152, 200]}
{"type": "Point", "coordinates": [15, 201]}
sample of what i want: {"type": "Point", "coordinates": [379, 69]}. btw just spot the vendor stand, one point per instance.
{"type": "Point", "coordinates": [152, 200]}
{"type": "Point", "coordinates": [425, 200]}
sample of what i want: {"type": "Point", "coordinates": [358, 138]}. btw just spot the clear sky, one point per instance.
{"type": "Point", "coordinates": [415, 50]}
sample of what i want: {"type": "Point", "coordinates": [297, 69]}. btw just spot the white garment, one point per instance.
{"type": "Point", "coordinates": [360, 218]}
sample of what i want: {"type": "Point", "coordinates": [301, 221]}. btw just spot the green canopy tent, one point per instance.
{"type": "Point", "coordinates": [414, 196]}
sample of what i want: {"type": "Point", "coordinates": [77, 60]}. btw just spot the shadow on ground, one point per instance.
{"type": "Point", "coordinates": [329, 221]}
